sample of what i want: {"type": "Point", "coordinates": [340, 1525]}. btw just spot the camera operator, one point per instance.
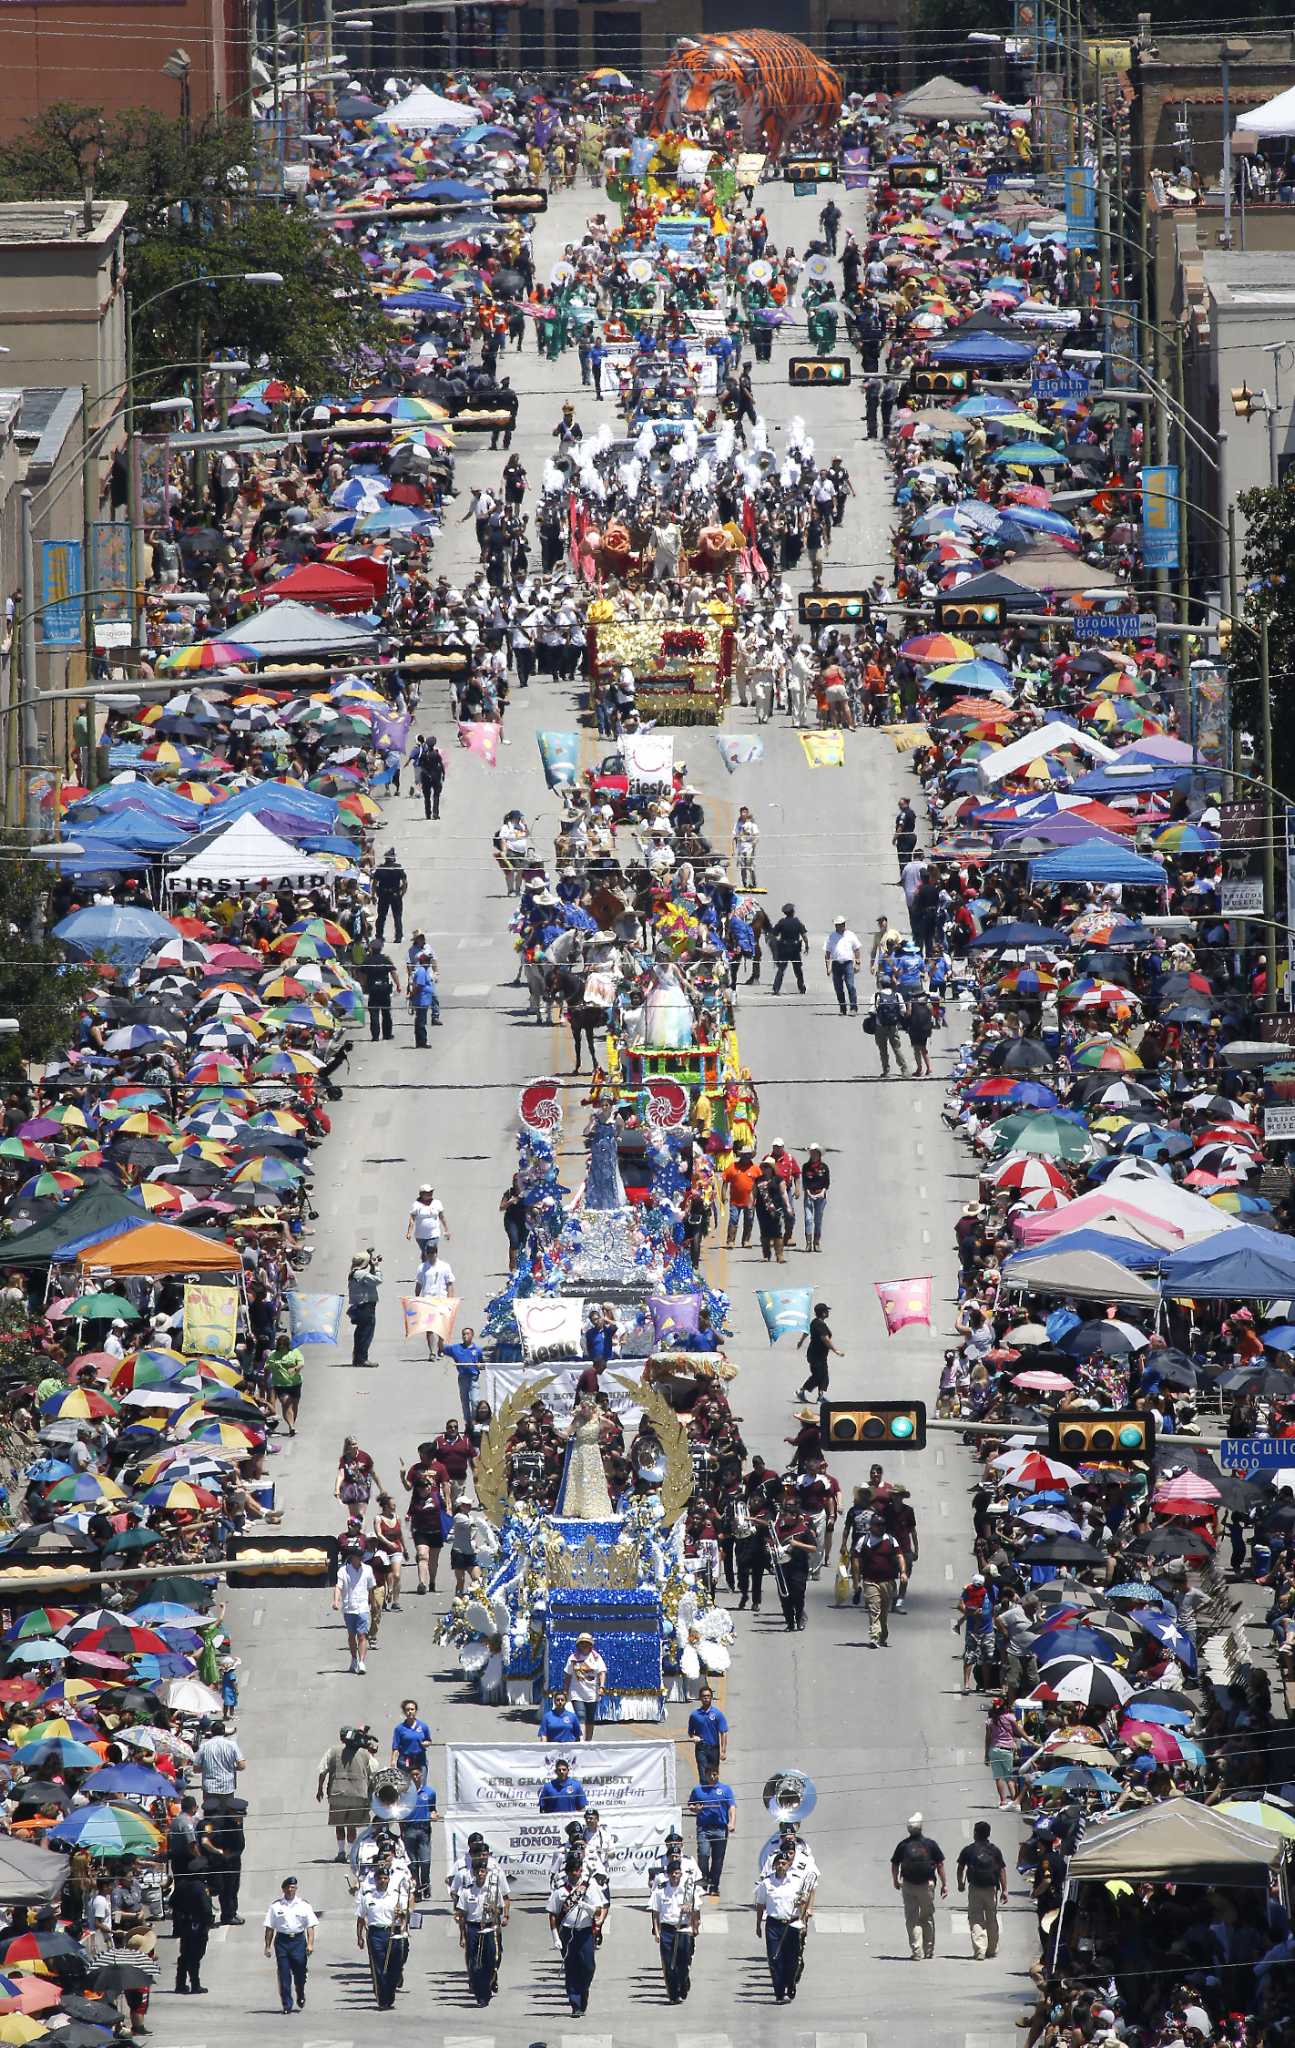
{"type": "Point", "coordinates": [346, 1775]}
{"type": "Point", "coordinates": [363, 1284]}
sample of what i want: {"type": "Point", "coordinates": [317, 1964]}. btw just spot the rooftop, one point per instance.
{"type": "Point", "coordinates": [49, 412]}
{"type": "Point", "coordinates": [33, 221]}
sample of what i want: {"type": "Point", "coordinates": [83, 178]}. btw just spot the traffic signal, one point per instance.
{"type": "Point", "coordinates": [818, 370]}
{"type": "Point", "coordinates": [944, 383]}
{"type": "Point", "coordinates": [984, 612]}
{"type": "Point", "coordinates": [915, 177]}
{"type": "Point", "coordinates": [809, 170]}
{"type": "Point", "coordinates": [873, 1425]}
{"type": "Point", "coordinates": [1245, 402]}
{"type": "Point", "coordinates": [834, 608]}
{"type": "Point", "coordinates": [1225, 638]}
{"type": "Point", "coordinates": [1116, 1435]}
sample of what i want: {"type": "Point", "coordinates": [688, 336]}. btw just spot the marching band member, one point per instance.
{"type": "Point", "coordinates": [783, 1909]}
{"type": "Point", "coordinates": [676, 1922]}
{"type": "Point", "coordinates": [577, 1909]}
{"type": "Point", "coordinates": [481, 1907]}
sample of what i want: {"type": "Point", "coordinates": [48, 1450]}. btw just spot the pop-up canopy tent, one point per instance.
{"type": "Point", "coordinates": [97, 1213]}
{"type": "Point", "coordinates": [1274, 117]}
{"type": "Point", "coordinates": [1178, 1841]}
{"type": "Point", "coordinates": [1098, 861]}
{"type": "Point", "coordinates": [942, 99]}
{"type": "Point", "coordinates": [1245, 1263]}
{"type": "Point", "coordinates": [1089, 1276]}
{"type": "Point", "coordinates": [1033, 746]}
{"type": "Point", "coordinates": [291, 629]}
{"type": "Point", "coordinates": [247, 851]}
{"type": "Point", "coordinates": [160, 1248]}
{"type": "Point", "coordinates": [423, 110]}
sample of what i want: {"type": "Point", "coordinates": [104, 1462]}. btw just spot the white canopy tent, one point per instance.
{"type": "Point", "coordinates": [250, 852]}
{"type": "Point", "coordinates": [422, 110]}
{"type": "Point", "coordinates": [1035, 744]}
{"type": "Point", "coordinates": [1274, 117]}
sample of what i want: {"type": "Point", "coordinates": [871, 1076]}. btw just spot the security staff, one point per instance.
{"type": "Point", "coordinates": [915, 1867]}
{"type": "Point", "coordinates": [290, 1927]}
{"type": "Point", "coordinates": [676, 1923]}
{"type": "Point", "coordinates": [390, 882]}
{"type": "Point", "coordinates": [577, 1909]}
{"type": "Point", "coordinates": [481, 1906]}
{"type": "Point", "coordinates": [381, 1920]}
{"type": "Point", "coordinates": [783, 1908]}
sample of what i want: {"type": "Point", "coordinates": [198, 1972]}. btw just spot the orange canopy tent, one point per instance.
{"type": "Point", "coordinates": [159, 1248]}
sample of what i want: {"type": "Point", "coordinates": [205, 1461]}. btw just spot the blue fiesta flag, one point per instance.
{"type": "Point", "coordinates": [315, 1318]}
{"type": "Point", "coordinates": [786, 1310]}
{"type": "Point", "coordinates": [560, 753]}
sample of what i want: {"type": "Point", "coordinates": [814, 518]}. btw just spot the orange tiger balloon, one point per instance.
{"type": "Point", "coordinates": [774, 85]}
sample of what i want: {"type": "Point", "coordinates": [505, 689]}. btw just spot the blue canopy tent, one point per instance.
{"type": "Point", "coordinates": [1116, 780]}
{"type": "Point", "coordinates": [1243, 1263]}
{"type": "Point", "coordinates": [1094, 860]}
{"type": "Point", "coordinates": [1133, 1253]}
{"type": "Point", "coordinates": [984, 348]}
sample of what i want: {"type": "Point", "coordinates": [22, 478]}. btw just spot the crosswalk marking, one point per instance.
{"type": "Point", "coordinates": [830, 2041]}
{"type": "Point", "coordinates": [1003, 2040]}
{"type": "Point", "coordinates": [475, 942]}
{"type": "Point", "coordinates": [828, 1921]}
{"type": "Point", "coordinates": [961, 1926]}
{"type": "Point", "coordinates": [582, 2041]}
{"type": "Point", "coordinates": [703, 2041]}
{"type": "Point", "coordinates": [471, 988]}
{"type": "Point", "coordinates": [714, 1923]}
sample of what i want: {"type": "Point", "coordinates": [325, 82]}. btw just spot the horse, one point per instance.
{"type": "Point", "coordinates": [584, 1018]}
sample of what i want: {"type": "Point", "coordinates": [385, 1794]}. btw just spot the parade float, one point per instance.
{"type": "Point", "coordinates": [615, 1569]}
{"type": "Point", "coordinates": [772, 84]}
{"type": "Point", "coordinates": [681, 671]}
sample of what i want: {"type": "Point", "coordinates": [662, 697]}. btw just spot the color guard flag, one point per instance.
{"type": "Point", "coordinates": [210, 1319]}
{"type": "Point", "coordinates": [736, 750]}
{"type": "Point", "coordinates": [824, 749]}
{"type": "Point", "coordinates": [786, 1310]}
{"type": "Point", "coordinates": [560, 753]}
{"type": "Point", "coordinates": [674, 1317]}
{"type": "Point", "coordinates": [430, 1314]}
{"type": "Point", "coordinates": [904, 1301]}
{"type": "Point", "coordinates": [315, 1318]}
{"type": "Point", "coordinates": [480, 739]}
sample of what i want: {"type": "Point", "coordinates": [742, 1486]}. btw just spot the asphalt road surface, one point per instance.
{"type": "Point", "coordinates": [881, 1733]}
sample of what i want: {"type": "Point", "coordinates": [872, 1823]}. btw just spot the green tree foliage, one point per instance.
{"type": "Point", "coordinates": [1268, 566]}
{"type": "Point", "coordinates": [194, 213]}
{"type": "Point", "coordinates": [37, 986]}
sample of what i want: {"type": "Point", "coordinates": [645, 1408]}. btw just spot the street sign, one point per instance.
{"type": "Point", "coordinates": [112, 632]}
{"type": "Point", "coordinates": [1246, 1454]}
{"type": "Point", "coordinates": [1060, 384]}
{"type": "Point", "coordinates": [1112, 625]}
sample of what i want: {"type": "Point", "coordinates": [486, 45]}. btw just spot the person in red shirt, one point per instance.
{"type": "Point", "coordinates": [454, 1450]}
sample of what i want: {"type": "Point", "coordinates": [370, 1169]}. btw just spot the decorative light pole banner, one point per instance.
{"type": "Point", "coordinates": [528, 1844]}
{"type": "Point", "coordinates": [904, 1302]}
{"type": "Point", "coordinates": [824, 749]}
{"type": "Point", "coordinates": [315, 1318]}
{"type": "Point", "coordinates": [551, 1327]}
{"type": "Point", "coordinates": [786, 1310]}
{"type": "Point", "coordinates": [1160, 516]}
{"type": "Point", "coordinates": [505, 1777]}
{"type": "Point", "coordinates": [210, 1320]}
{"type": "Point", "coordinates": [497, 1382]}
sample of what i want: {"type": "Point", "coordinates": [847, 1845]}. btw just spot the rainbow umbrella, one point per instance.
{"type": "Point", "coordinates": [302, 946]}
{"type": "Point", "coordinates": [60, 1751]}
{"type": "Point", "coordinates": [51, 1183]}
{"type": "Point", "coordinates": [313, 1014]}
{"type": "Point", "coordinates": [1109, 1055]}
{"type": "Point", "coordinates": [78, 1404]}
{"type": "Point", "coordinates": [409, 411]}
{"type": "Point", "coordinates": [107, 1829]}
{"type": "Point", "coordinates": [268, 1171]}
{"type": "Point", "coordinates": [208, 654]}
{"type": "Point", "coordinates": [40, 1621]}
{"type": "Point", "coordinates": [79, 1486]}
{"type": "Point", "coordinates": [231, 1436]}
{"type": "Point", "coordinates": [284, 1063]}
{"type": "Point", "coordinates": [24, 1148]}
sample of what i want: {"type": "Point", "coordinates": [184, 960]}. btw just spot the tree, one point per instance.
{"type": "Point", "coordinates": [37, 985]}
{"type": "Point", "coordinates": [194, 212]}
{"type": "Point", "coordinates": [1267, 554]}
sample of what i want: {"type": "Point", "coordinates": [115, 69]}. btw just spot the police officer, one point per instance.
{"type": "Point", "coordinates": [871, 405]}
{"type": "Point", "coordinates": [783, 1909]}
{"type": "Point", "coordinates": [389, 885]}
{"type": "Point", "coordinates": [379, 976]}
{"type": "Point", "coordinates": [788, 942]}
{"type": "Point", "coordinates": [577, 1909]}
{"type": "Point", "coordinates": [481, 1905]}
{"type": "Point", "coordinates": [676, 1923]}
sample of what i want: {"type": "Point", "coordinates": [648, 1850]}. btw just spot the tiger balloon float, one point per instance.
{"type": "Point", "coordinates": [774, 85]}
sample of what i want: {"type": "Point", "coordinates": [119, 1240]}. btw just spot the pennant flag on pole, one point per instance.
{"type": "Point", "coordinates": [786, 1310]}
{"type": "Point", "coordinates": [560, 753]}
{"type": "Point", "coordinates": [904, 1302]}
{"type": "Point", "coordinates": [481, 739]}
{"type": "Point", "coordinates": [824, 749]}
{"type": "Point", "coordinates": [736, 750]}
{"type": "Point", "coordinates": [315, 1318]}
{"type": "Point", "coordinates": [429, 1313]}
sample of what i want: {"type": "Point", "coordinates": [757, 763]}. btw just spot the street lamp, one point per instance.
{"type": "Point", "coordinates": [178, 66]}
{"type": "Point", "coordinates": [1230, 52]}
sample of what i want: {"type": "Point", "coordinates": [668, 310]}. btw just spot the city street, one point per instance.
{"type": "Point", "coordinates": [881, 1733]}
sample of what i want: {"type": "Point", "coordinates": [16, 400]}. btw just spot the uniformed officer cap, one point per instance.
{"type": "Point", "coordinates": [674, 1835]}
{"type": "Point", "coordinates": [574, 1827]}
{"type": "Point", "coordinates": [573, 1861]}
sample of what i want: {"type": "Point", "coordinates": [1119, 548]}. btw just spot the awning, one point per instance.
{"type": "Point", "coordinates": [160, 1248]}
{"type": "Point", "coordinates": [1180, 1841]}
{"type": "Point", "coordinates": [1089, 1276]}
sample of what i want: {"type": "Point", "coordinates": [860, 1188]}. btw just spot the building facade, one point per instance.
{"type": "Point", "coordinates": [110, 53]}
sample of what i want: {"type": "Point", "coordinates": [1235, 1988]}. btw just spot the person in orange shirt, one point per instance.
{"type": "Point", "coordinates": [740, 1179]}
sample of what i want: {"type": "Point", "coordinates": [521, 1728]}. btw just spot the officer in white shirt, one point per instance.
{"type": "Point", "coordinates": [786, 1841]}
{"type": "Point", "coordinates": [290, 1927]}
{"type": "Point", "coordinates": [577, 1909]}
{"type": "Point", "coordinates": [843, 957]}
{"type": "Point", "coordinates": [461, 1870]}
{"type": "Point", "coordinates": [783, 1908]}
{"type": "Point", "coordinates": [676, 1923]}
{"type": "Point", "coordinates": [481, 1905]}
{"type": "Point", "coordinates": [382, 1915]}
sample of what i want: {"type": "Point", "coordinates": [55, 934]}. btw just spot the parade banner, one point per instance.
{"type": "Point", "coordinates": [560, 753]}
{"type": "Point", "coordinates": [430, 1315]}
{"type": "Point", "coordinates": [1160, 517]}
{"type": "Point", "coordinates": [824, 749]}
{"type": "Point", "coordinates": [315, 1318]}
{"type": "Point", "coordinates": [551, 1328]}
{"type": "Point", "coordinates": [506, 1777]}
{"type": "Point", "coordinates": [59, 620]}
{"type": "Point", "coordinates": [737, 751]}
{"type": "Point", "coordinates": [530, 1846]}
{"type": "Point", "coordinates": [649, 759]}
{"type": "Point", "coordinates": [855, 165]}
{"type": "Point", "coordinates": [497, 1382]}
{"type": "Point", "coordinates": [674, 1316]}
{"type": "Point", "coordinates": [786, 1310]}
{"type": "Point", "coordinates": [480, 739]}
{"type": "Point", "coordinates": [210, 1319]}
{"type": "Point", "coordinates": [1081, 206]}
{"type": "Point", "coordinates": [693, 165]}
{"type": "Point", "coordinates": [904, 1302]}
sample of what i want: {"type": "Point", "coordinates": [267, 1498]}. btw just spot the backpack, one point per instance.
{"type": "Point", "coordinates": [980, 1861]}
{"type": "Point", "coordinates": [889, 1009]}
{"type": "Point", "coordinates": [916, 1864]}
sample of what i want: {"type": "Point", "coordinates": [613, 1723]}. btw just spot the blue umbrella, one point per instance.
{"type": "Point", "coordinates": [1281, 1337]}
{"type": "Point", "coordinates": [1028, 455]}
{"type": "Point", "coordinates": [1079, 1778]}
{"type": "Point", "coordinates": [1167, 1630]}
{"type": "Point", "coordinates": [40, 1650]}
{"type": "Point", "coordinates": [172, 1614]}
{"type": "Point", "coordinates": [121, 933]}
{"type": "Point", "coordinates": [1050, 1644]}
{"type": "Point", "coordinates": [131, 1781]}
{"type": "Point", "coordinates": [1130, 1589]}
{"type": "Point", "coordinates": [1169, 1717]}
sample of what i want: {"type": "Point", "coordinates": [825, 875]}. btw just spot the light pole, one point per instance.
{"type": "Point", "coordinates": [1230, 52]}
